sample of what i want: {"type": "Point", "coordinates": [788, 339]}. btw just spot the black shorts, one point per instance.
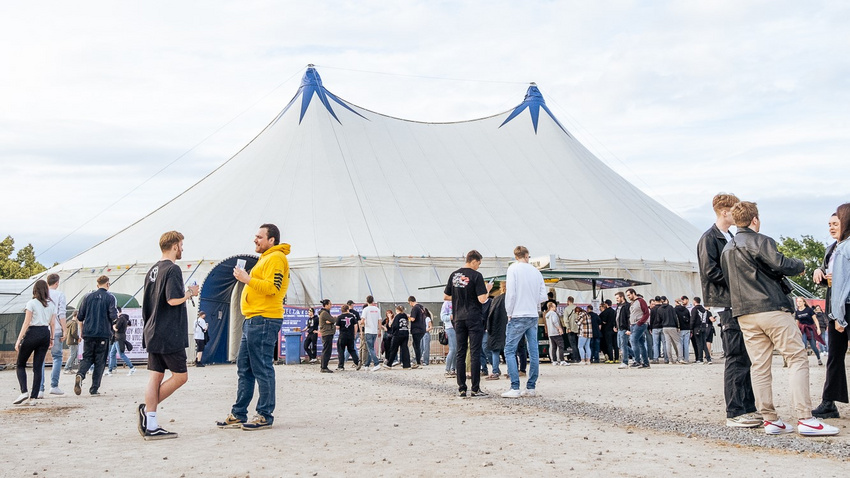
{"type": "Point", "coordinates": [176, 362]}
{"type": "Point", "coordinates": [199, 345]}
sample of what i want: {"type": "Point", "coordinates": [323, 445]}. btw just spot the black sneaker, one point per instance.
{"type": "Point", "coordinates": [327, 370]}
{"type": "Point", "coordinates": [78, 385]}
{"type": "Point", "coordinates": [644, 366]}
{"type": "Point", "coordinates": [826, 409]}
{"type": "Point", "coordinates": [461, 394]}
{"type": "Point", "coordinates": [635, 365]}
{"type": "Point", "coordinates": [143, 420]}
{"type": "Point", "coordinates": [479, 393]}
{"type": "Point", "coordinates": [159, 434]}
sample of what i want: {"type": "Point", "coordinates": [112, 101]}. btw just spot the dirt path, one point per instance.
{"type": "Point", "coordinates": [393, 423]}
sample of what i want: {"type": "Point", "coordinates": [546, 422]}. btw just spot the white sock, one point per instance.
{"type": "Point", "coordinates": [152, 424]}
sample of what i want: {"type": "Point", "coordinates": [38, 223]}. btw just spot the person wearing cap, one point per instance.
{"type": "Point", "coordinates": [670, 329]}
{"type": "Point", "coordinates": [684, 316]}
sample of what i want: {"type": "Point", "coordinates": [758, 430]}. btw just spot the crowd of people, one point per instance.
{"type": "Point", "coordinates": [744, 291]}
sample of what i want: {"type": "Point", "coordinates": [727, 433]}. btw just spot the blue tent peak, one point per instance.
{"type": "Point", "coordinates": [533, 101]}
{"type": "Point", "coordinates": [311, 84]}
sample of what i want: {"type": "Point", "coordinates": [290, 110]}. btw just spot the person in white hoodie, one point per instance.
{"type": "Point", "coordinates": [525, 292]}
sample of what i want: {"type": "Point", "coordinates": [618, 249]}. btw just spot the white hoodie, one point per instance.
{"type": "Point", "coordinates": [525, 290]}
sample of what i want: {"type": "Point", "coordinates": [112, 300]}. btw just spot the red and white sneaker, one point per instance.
{"type": "Point", "coordinates": [777, 427]}
{"type": "Point", "coordinates": [812, 427]}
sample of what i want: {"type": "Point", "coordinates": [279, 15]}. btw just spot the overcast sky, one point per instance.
{"type": "Point", "coordinates": [685, 99]}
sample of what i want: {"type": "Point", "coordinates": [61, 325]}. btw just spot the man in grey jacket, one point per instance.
{"type": "Point", "coordinates": [756, 272]}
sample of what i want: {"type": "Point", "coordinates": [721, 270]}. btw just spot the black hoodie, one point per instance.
{"type": "Point", "coordinates": [667, 316]}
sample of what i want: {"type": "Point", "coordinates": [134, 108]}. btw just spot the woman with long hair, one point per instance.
{"type": "Point", "coordinates": [387, 328]}
{"type": "Point", "coordinates": [585, 334]}
{"type": "Point", "coordinates": [835, 275]}
{"type": "Point", "coordinates": [401, 335]}
{"type": "Point", "coordinates": [35, 339]}
{"type": "Point", "coordinates": [808, 324]}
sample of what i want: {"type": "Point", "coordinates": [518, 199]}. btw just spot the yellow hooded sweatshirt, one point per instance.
{"type": "Point", "coordinates": [264, 293]}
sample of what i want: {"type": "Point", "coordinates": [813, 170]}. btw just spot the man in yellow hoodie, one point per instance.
{"type": "Point", "coordinates": [262, 306]}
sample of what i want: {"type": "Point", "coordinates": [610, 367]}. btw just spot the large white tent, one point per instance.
{"type": "Point", "coordinates": [373, 204]}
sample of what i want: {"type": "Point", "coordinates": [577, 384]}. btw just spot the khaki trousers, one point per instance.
{"type": "Point", "coordinates": [764, 332]}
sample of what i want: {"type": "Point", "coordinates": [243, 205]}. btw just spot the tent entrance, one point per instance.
{"type": "Point", "coordinates": [220, 295]}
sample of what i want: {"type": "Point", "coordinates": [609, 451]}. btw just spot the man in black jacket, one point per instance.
{"type": "Point", "coordinates": [417, 329]}
{"type": "Point", "coordinates": [97, 312]}
{"type": "Point", "coordinates": [623, 316]}
{"type": "Point", "coordinates": [609, 331]}
{"type": "Point", "coordinates": [684, 316]}
{"type": "Point", "coordinates": [756, 273]}
{"type": "Point", "coordinates": [737, 385]}
{"type": "Point", "coordinates": [700, 324]}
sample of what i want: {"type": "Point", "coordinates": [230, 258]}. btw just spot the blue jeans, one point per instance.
{"type": "Point", "coordinates": [56, 352]}
{"type": "Point", "coordinates": [254, 363]}
{"type": "Point", "coordinates": [625, 348]}
{"type": "Point", "coordinates": [426, 348]}
{"type": "Point", "coordinates": [685, 339]}
{"type": "Point", "coordinates": [113, 362]}
{"type": "Point", "coordinates": [639, 344]}
{"type": "Point", "coordinates": [450, 358]}
{"type": "Point", "coordinates": [657, 339]}
{"type": "Point", "coordinates": [517, 328]}
{"type": "Point", "coordinates": [496, 356]}
{"type": "Point", "coordinates": [584, 347]}
{"type": "Point", "coordinates": [371, 358]}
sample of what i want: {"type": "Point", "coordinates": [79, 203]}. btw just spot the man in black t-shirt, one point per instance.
{"type": "Point", "coordinates": [165, 337]}
{"type": "Point", "coordinates": [347, 324]}
{"type": "Point", "coordinates": [467, 291]}
{"type": "Point", "coordinates": [417, 329]}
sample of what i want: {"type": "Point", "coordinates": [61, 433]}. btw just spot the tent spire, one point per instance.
{"type": "Point", "coordinates": [311, 83]}
{"type": "Point", "coordinates": [533, 101]}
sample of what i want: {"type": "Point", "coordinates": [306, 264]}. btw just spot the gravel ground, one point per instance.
{"type": "Point", "coordinates": [588, 420]}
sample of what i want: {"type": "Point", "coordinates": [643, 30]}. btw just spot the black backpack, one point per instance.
{"type": "Point", "coordinates": [443, 338]}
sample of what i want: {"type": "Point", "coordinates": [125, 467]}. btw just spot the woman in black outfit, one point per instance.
{"type": "Point", "coordinates": [401, 335]}
{"type": "Point", "coordinates": [835, 386]}
{"type": "Point", "coordinates": [35, 338]}
{"type": "Point", "coordinates": [312, 340]}
{"type": "Point", "coordinates": [387, 328]}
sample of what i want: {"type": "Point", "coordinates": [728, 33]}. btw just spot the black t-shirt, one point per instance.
{"type": "Point", "coordinates": [417, 326]}
{"type": "Point", "coordinates": [166, 326]}
{"type": "Point", "coordinates": [805, 316]}
{"type": "Point", "coordinates": [464, 286]}
{"type": "Point", "coordinates": [401, 325]}
{"type": "Point", "coordinates": [346, 323]}
{"type": "Point", "coordinates": [312, 323]}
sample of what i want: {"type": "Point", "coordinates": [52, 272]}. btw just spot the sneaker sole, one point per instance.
{"type": "Point", "coordinates": [229, 426]}
{"type": "Point", "coordinates": [827, 415]}
{"type": "Point", "coordinates": [160, 437]}
{"type": "Point", "coordinates": [255, 428]}
{"type": "Point", "coordinates": [819, 433]}
{"type": "Point", "coordinates": [78, 382]}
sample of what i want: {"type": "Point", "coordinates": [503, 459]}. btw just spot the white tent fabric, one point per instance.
{"type": "Point", "coordinates": [372, 203]}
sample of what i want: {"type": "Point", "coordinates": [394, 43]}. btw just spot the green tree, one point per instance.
{"type": "Point", "coordinates": [23, 265]}
{"type": "Point", "coordinates": [811, 252]}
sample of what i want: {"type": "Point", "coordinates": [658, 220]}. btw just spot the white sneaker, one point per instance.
{"type": "Point", "coordinates": [777, 427]}
{"type": "Point", "coordinates": [529, 393]}
{"type": "Point", "coordinates": [132, 371]}
{"type": "Point", "coordinates": [376, 368]}
{"type": "Point", "coordinates": [565, 364]}
{"type": "Point", "coordinates": [812, 427]}
{"type": "Point", "coordinates": [56, 391]}
{"type": "Point", "coordinates": [512, 394]}
{"type": "Point", "coordinates": [40, 394]}
{"type": "Point", "coordinates": [556, 363]}
{"type": "Point", "coordinates": [108, 373]}
{"type": "Point", "coordinates": [622, 365]}
{"type": "Point", "coordinates": [21, 399]}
